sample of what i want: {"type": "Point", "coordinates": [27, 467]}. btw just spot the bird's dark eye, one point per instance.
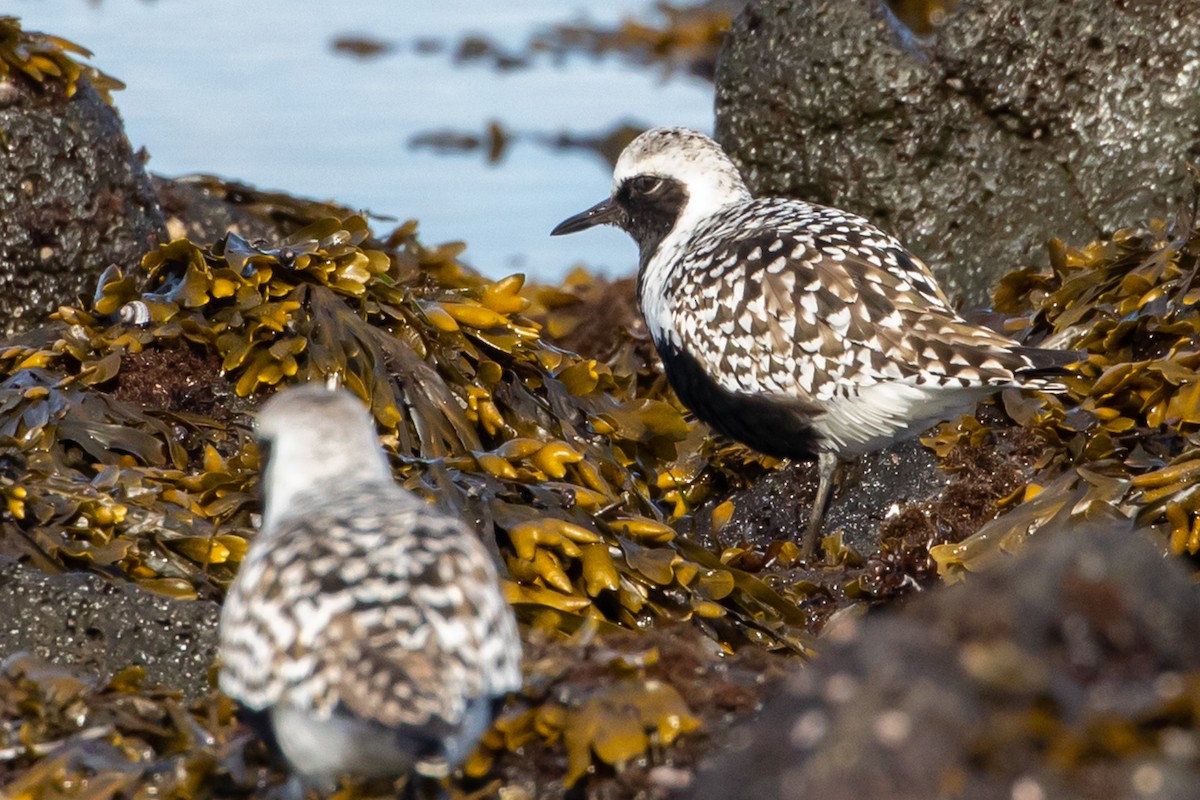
{"type": "Point", "coordinates": [645, 184]}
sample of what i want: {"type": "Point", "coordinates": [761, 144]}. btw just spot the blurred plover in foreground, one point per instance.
{"type": "Point", "coordinates": [799, 330]}
{"type": "Point", "coordinates": [365, 633]}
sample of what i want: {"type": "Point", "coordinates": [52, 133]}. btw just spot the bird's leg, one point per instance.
{"type": "Point", "coordinates": [827, 464]}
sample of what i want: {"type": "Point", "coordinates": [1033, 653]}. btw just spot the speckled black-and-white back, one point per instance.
{"type": "Point", "coordinates": [787, 300]}
{"type": "Point", "coordinates": [366, 626]}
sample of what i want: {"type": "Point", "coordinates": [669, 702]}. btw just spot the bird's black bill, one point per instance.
{"type": "Point", "coordinates": [602, 213]}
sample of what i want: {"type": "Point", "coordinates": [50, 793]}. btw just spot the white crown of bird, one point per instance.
{"type": "Point", "coordinates": [691, 158]}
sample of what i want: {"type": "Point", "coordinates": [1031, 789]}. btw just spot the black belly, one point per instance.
{"type": "Point", "coordinates": [774, 427]}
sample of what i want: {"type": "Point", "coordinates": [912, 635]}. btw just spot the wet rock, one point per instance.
{"type": "Point", "coordinates": [871, 489]}
{"type": "Point", "coordinates": [1065, 673]}
{"type": "Point", "coordinates": [1020, 121]}
{"type": "Point", "coordinates": [75, 199]}
{"type": "Point", "coordinates": [101, 627]}
{"type": "Point", "coordinates": [890, 508]}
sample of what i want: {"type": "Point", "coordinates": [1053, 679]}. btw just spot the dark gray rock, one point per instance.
{"type": "Point", "coordinates": [74, 198]}
{"type": "Point", "coordinates": [872, 487]}
{"type": "Point", "coordinates": [1055, 675]}
{"type": "Point", "coordinates": [1023, 120]}
{"type": "Point", "coordinates": [100, 627]}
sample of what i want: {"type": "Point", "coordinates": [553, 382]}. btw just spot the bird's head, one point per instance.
{"type": "Point", "coordinates": [312, 439]}
{"type": "Point", "coordinates": [667, 179]}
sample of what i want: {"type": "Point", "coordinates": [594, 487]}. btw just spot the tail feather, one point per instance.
{"type": "Point", "coordinates": [1045, 365]}
{"type": "Point", "coordinates": [1042, 359]}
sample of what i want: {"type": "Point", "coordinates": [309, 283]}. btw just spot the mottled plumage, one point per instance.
{"type": "Point", "coordinates": [800, 330]}
{"type": "Point", "coordinates": [365, 628]}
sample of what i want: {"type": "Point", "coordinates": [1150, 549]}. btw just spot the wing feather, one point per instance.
{"type": "Point", "coordinates": [838, 306]}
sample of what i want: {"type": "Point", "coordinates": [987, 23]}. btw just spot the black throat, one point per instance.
{"type": "Point", "coordinates": [649, 218]}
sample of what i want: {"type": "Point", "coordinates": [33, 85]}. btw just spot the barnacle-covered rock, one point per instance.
{"type": "Point", "coordinates": [1019, 120]}
{"type": "Point", "coordinates": [76, 197]}
{"type": "Point", "coordinates": [1070, 672]}
{"type": "Point", "coordinates": [99, 627]}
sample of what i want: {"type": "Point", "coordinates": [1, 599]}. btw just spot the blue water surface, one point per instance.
{"type": "Point", "coordinates": [253, 90]}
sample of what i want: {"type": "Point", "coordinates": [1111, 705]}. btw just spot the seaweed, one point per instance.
{"type": "Point", "coordinates": [45, 60]}
{"type": "Point", "coordinates": [126, 443]}
{"type": "Point", "coordinates": [582, 471]}
{"type": "Point", "coordinates": [65, 735]}
{"type": "Point", "coordinates": [1125, 439]}
{"type": "Point", "coordinates": [556, 455]}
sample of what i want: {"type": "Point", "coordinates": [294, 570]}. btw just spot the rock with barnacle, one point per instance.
{"type": "Point", "coordinates": [1067, 673]}
{"type": "Point", "coordinates": [800, 330]}
{"type": "Point", "coordinates": [76, 196]}
{"type": "Point", "coordinates": [1014, 122]}
{"type": "Point", "coordinates": [365, 633]}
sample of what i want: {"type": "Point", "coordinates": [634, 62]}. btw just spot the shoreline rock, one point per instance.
{"type": "Point", "coordinates": [1017, 122]}
{"type": "Point", "coordinates": [99, 627]}
{"type": "Point", "coordinates": [76, 198]}
{"type": "Point", "coordinates": [1068, 669]}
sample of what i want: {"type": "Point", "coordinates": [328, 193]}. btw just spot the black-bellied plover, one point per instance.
{"type": "Point", "coordinates": [800, 330]}
{"type": "Point", "coordinates": [365, 633]}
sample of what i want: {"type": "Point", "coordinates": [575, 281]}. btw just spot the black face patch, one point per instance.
{"type": "Point", "coordinates": [650, 206]}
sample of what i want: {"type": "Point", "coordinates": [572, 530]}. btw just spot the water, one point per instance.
{"type": "Point", "coordinates": [254, 91]}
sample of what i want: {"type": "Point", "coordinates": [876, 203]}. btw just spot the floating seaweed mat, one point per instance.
{"type": "Point", "coordinates": [553, 456]}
